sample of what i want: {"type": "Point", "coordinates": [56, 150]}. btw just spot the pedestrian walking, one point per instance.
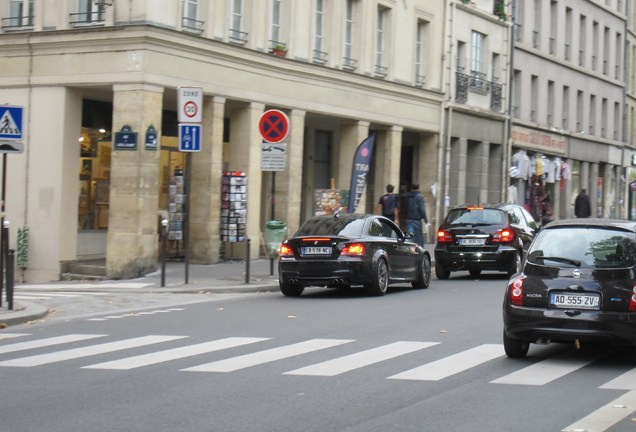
{"type": "Point", "coordinates": [415, 213]}
{"type": "Point", "coordinates": [389, 204]}
{"type": "Point", "coordinates": [582, 207]}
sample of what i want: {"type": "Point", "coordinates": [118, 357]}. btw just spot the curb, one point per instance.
{"type": "Point", "coordinates": [23, 313]}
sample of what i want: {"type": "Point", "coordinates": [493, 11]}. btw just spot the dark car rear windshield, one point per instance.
{"type": "Point", "coordinates": [594, 247]}
{"type": "Point", "coordinates": [474, 216]}
{"type": "Point", "coordinates": [346, 227]}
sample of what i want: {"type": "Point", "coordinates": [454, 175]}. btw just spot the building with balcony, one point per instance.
{"type": "Point", "coordinates": [567, 105]}
{"type": "Point", "coordinates": [473, 153]}
{"type": "Point", "coordinates": [99, 81]}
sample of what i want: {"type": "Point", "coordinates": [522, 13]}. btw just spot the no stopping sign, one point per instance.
{"type": "Point", "coordinates": [274, 126]}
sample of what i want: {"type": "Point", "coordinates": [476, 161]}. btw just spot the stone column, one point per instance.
{"type": "Point", "coordinates": [351, 136]}
{"type": "Point", "coordinates": [609, 197]}
{"type": "Point", "coordinates": [289, 200]}
{"type": "Point", "coordinates": [205, 202]}
{"type": "Point", "coordinates": [484, 171]}
{"type": "Point", "coordinates": [462, 149]}
{"type": "Point", "coordinates": [386, 164]}
{"type": "Point", "coordinates": [245, 155]}
{"type": "Point", "coordinates": [593, 191]}
{"type": "Point", "coordinates": [132, 243]}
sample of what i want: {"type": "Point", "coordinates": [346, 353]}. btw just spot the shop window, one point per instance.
{"type": "Point", "coordinates": [94, 179]}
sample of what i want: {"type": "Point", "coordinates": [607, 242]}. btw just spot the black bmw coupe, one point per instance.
{"type": "Point", "coordinates": [345, 250]}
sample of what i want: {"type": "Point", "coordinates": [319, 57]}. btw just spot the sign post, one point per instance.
{"type": "Point", "coordinates": [274, 127]}
{"type": "Point", "coordinates": [11, 141]}
{"type": "Point", "coordinates": [190, 115]}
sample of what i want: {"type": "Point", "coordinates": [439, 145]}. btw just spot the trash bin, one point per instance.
{"type": "Point", "coordinates": [275, 233]}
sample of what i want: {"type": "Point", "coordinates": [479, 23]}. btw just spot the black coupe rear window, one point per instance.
{"type": "Point", "coordinates": [332, 227]}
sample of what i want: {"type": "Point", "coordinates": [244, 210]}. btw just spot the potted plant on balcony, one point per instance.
{"type": "Point", "coordinates": [280, 50]}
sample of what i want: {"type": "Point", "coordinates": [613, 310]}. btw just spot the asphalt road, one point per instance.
{"type": "Point", "coordinates": [413, 360]}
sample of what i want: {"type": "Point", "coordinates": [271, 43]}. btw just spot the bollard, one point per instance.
{"type": "Point", "coordinates": [164, 235]}
{"type": "Point", "coordinates": [10, 275]}
{"type": "Point", "coordinates": [247, 262]}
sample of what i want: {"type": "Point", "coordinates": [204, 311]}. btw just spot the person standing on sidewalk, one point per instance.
{"type": "Point", "coordinates": [415, 212]}
{"type": "Point", "coordinates": [582, 208]}
{"type": "Point", "coordinates": [389, 204]}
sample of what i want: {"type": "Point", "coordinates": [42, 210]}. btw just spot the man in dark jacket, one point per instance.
{"type": "Point", "coordinates": [389, 204]}
{"type": "Point", "coordinates": [415, 212]}
{"type": "Point", "coordinates": [582, 208]}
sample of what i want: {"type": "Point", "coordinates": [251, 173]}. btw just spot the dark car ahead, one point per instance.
{"type": "Point", "coordinates": [483, 237]}
{"type": "Point", "coordinates": [577, 285]}
{"type": "Point", "coordinates": [345, 249]}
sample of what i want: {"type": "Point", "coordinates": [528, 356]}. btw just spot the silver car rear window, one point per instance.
{"type": "Point", "coordinates": [591, 247]}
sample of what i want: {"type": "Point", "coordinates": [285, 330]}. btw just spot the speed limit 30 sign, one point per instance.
{"type": "Point", "coordinates": [190, 104]}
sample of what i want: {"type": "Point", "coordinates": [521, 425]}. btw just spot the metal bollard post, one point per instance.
{"type": "Point", "coordinates": [10, 276]}
{"type": "Point", "coordinates": [247, 262]}
{"type": "Point", "coordinates": [164, 235]}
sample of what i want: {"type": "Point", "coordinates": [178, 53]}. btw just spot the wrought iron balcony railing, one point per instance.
{"type": "Point", "coordinates": [478, 82]}
{"type": "Point", "coordinates": [193, 25]}
{"type": "Point", "coordinates": [17, 22]}
{"type": "Point", "coordinates": [87, 18]}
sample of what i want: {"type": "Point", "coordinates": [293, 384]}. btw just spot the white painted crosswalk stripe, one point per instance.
{"type": "Point", "coordinates": [453, 364]}
{"type": "Point", "coordinates": [607, 416]}
{"type": "Point", "coordinates": [267, 356]}
{"type": "Point", "coordinates": [361, 359]}
{"type": "Point", "coordinates": [21, 346]}
{"type": "Point", "coordinates": [626, 381]}
{"type": "Point", "coordinates": [75, 353]}
{"type": "Point", "coordinates": [548, 370]}
{"type": "Point", "coordinates": [175, 353]}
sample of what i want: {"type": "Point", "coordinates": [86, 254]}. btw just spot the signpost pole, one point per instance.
{"type": "Point", "coordinates": [186, 225]}
{"type": "Point", "coordinates": [2, 230]}
{"type": "Point", "coordinates": [271, 260]}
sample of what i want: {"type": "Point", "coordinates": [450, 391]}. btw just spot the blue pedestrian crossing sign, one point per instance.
{"type": "Point", "coordinates": [189, 137]}
{"type": "Point", "coordinates": [11, 123]}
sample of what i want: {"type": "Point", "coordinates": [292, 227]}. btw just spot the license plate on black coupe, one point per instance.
{"type": "Point", "coordinates": [315, 250]}
{"type": "Point", "coordinates": [576, 301]}
{"type": "Point", "coordinates": [472, 241]}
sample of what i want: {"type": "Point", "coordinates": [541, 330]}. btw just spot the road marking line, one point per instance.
{"type": "Point", "coordinates": [548, 370]}
{"type": "Point", "coordinates": [627, 381]}
{"type": "Point", "coordinates": [607, 416]}
{"type": "Point", "coordinates": [175, 353]}
{"type": "Point", "coordinates": [80, 286]}
{"type": "Point", "coordinates": [257, 358]}
{"type": "Point", "coordinates": [453, 364]}
{"type": "Point", "coordinates": [20, 346]}
{"type": "Point", "coordinates": [42, 359]}
{"type": "Point", "coordinates": [361, 359]}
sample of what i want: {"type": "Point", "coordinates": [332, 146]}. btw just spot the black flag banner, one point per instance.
{"type": "Point", "coordinates": [360, 171]}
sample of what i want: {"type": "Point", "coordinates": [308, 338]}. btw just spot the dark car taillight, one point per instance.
{"type": "Point", "coordinates": [285, 251]}
{"type": "Point", "coordinates": [516, 291]}
{"type": "Point", "coordinates": [353, 249]}
{"type": "Point", "coordinates": [444, 236]}
{"type": "Point", "coordinates": [632, 300]}
{"type": "Point", "coordinates": [505, 235]}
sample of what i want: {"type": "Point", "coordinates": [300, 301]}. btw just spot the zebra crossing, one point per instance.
{"type": "Point", "coordinates": [539, 373]}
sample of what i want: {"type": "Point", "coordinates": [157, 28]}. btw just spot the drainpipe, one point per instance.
{"type": "Point", "coordinates": [622, 175]}
{"type": "Point", "coordinates": [445, 147]}
{"type": "Point", "coordinates": [505, 164]}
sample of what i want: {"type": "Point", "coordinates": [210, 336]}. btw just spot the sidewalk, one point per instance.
{"type": "Point", "coordinates": [259, 275]}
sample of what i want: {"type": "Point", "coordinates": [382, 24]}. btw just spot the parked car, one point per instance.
{"type": "Point", "coordinates": [483, 237]}
{"type": "Point", "coordinates": [344, 250]}
{"type": "Point", "coordinates": [577, 286]}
